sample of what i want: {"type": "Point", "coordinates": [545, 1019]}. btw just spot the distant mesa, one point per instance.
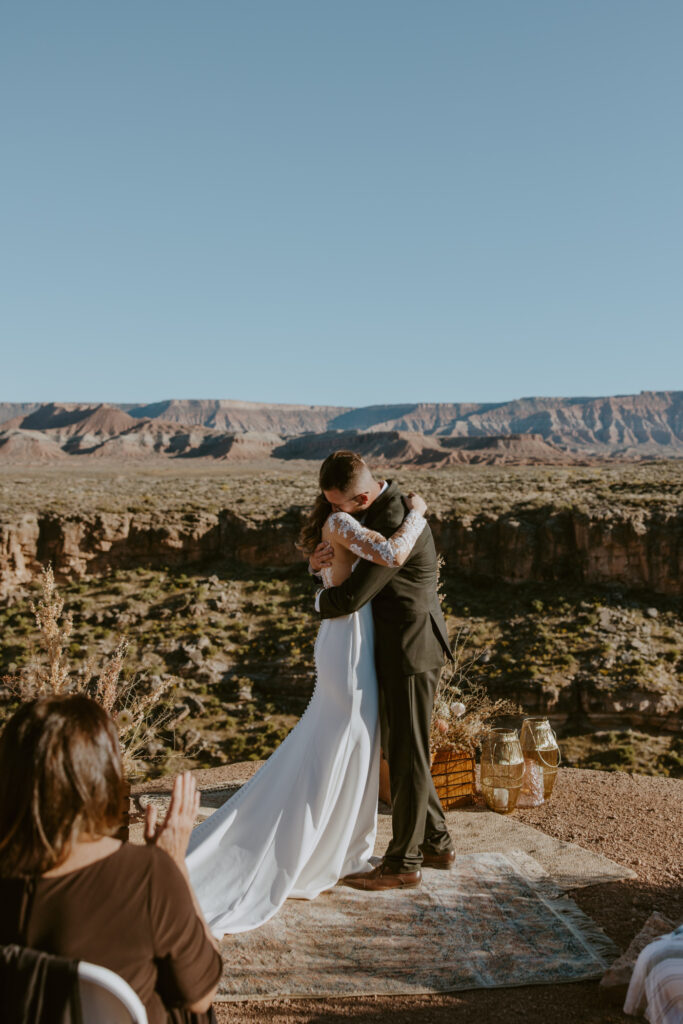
{"type": "Point", "coordinates": [536, 429]}
{"type": "Point", "coordinates": [177, 441]}
{"type": "Point", "coordinates": [22, 446]}
{"type": "Point", "coordinates": [528, 448]}
{"type": "Point", "coordinates": [371, 416]}
{"type": "Point", "coordinates": [240, 417]}
{"type": "Point", "coordinates": [75, 429]}
{"type": "Point", "coordinates": [15, 411]}
{"type": "Point", "coordinates": [398, 447]}
{"type": "Point", "coordinates": [77, 419]}
{"type": "Point", "coordinates": [237, 447]}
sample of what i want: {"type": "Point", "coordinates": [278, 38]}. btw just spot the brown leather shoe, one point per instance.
{"type": "Point", "coordinates": [443, 861]}
{"type": "Point", "coordinates": [382, 877]}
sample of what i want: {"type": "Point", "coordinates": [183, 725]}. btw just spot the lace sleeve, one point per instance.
{"type": "Point", "coordinates": [373, 546]}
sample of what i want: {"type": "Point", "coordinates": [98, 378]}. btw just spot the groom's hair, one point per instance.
{"type": "Point", "coordinates": [345, 471]}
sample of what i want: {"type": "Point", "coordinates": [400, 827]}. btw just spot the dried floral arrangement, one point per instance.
{"type": "Point", "coordinates": [463, 711]}
{"type": "Point", "coordinates": [139, 714]}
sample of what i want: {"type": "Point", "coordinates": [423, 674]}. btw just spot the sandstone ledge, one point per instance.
{"type": "Point", "coordinates": [633, 551]}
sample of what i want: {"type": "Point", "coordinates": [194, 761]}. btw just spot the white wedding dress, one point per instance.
{"type": "Point", "coordinates": [309, 815]}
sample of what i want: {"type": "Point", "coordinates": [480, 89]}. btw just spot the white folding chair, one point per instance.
{"type": "Point", "coordinates": [106, 998]}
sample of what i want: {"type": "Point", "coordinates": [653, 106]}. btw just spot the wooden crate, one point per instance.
{"type": "Point", "coordinates": [453, 774]}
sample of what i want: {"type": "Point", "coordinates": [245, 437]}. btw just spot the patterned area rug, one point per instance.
{"type": "Point", "coordinates": [496, 920]}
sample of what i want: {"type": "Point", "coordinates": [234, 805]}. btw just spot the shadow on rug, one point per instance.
{"type": "Point", "coordinates": [494, 921]}
{"type": "Point", "coordinates": [476, 829]}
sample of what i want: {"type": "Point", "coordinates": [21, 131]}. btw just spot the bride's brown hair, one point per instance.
{"type": "Point", "coordinates": [312, 530]}
{"type": "Point", "coordinates": [340, 471]}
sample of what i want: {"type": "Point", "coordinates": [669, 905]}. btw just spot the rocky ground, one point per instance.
{"type": "Point", "coordinates": [238, 643]}
{"type": "Point", "coordinates": [634, 820]}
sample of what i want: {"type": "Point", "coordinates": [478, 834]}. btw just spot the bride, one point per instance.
{"type": "Point", "coordinates": [309, 816]}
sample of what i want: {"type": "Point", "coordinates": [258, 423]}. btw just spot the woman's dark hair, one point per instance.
{"type": "Point", "coordinates": [311, 531]}
{"type": "Point", "coordinates": [60, 777]}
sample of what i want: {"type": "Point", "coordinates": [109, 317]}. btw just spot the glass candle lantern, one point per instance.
{"type": "Point", "coordinates": [541, 752]}
{"type": "Point", "coordinates": [502, 769]}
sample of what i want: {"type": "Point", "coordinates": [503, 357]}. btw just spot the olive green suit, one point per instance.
{"type": "Point", "coordinates": [410, 643]}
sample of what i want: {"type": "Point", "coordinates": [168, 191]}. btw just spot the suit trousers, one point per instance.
{"type": "Point", "coordinates": [417, 816]}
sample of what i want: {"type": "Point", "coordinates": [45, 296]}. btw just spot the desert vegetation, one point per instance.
{"type": "Point", "coordinates": [235, 654]}
{"type": "Point", "coordinates": [236, 650]}
{"type": "Point", "coordinates": [232, 643]}
{"type": "Point", "coordinates": [140, 709]}
{"type": "Point", "coordinates": [263, 490]}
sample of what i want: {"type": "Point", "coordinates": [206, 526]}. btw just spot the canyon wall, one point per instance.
{"type": "Point", "coordinates": [631, 551]}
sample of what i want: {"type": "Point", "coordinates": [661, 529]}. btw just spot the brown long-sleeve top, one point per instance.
{"type": "Point", "coordinates": [131, 912]}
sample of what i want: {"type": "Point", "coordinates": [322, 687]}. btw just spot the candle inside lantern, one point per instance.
{"type": "Point", "coordinates": [532, 784]}
{"type": "Point", "coordinates": [539, 744]}
{"type": "Point", "coordinates": [500, 799]}
{"type": "Point", "coordinates": [502, 767]}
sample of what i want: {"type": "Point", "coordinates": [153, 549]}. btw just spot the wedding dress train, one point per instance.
{"type": "Point", "coordinates": [309, 815]}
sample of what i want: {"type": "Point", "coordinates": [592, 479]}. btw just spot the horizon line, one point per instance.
{"type": "Point", "coordinates": [324, 405]}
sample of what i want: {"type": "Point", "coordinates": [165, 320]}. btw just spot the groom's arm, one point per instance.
{"type": "Point", "coordinates": [364, 583]}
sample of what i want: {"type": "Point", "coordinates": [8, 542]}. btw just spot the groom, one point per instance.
{"type": "Point", "coordinates": [410, 643]}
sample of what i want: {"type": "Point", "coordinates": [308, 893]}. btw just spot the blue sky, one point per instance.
{"type": "Point", "coordinates": [347, 203]}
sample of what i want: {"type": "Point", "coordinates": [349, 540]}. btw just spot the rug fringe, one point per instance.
{"type": "Point", "coordinates": [554, 896]}
{"type": "Point", "coordinates": [586, 930]}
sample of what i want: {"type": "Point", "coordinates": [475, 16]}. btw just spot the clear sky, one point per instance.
{"type": "Point", "coordinates": [340, 202]}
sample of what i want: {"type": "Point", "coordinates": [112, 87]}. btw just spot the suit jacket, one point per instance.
{"type": "Point", "coordinates": [410, 630]}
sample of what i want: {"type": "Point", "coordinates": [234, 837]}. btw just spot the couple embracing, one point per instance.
{"type": "Point", "coordinates": [308, 818]}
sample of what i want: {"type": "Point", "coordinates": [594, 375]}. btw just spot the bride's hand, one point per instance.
{"type": "Point", "coordinates": [321, 557]}
{"type": "Point", "coordinates": [416, 503]}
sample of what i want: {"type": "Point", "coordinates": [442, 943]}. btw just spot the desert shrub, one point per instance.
{"type": "Point", "coordinates": [614, 760]}
{"type": "Point", "coordinates": [139, 712]}
{"type": "Point", "coordinates": [671, 763]}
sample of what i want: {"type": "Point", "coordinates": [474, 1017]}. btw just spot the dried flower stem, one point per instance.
{"type": "Point", "coordinates": [450, 726]}
{"type": "Point", "coordinates": [139, 715]}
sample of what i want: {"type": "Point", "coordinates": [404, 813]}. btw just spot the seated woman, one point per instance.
{"type": "Point", "coordinates": [68, 887]}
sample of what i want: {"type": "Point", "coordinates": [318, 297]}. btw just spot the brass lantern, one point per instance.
{"type": "Point", "coordinates": [541, 755]}
{"type": "Point", "coordinates": [502, 769]}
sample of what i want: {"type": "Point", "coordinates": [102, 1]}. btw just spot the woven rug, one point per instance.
{"type": "Point", "coordinates": [474, 829]}
{"type": "Point", "coordinates": [496, 920]}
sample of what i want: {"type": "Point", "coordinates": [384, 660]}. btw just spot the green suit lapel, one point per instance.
{"type": "Point", "coordinates": [380, 504]}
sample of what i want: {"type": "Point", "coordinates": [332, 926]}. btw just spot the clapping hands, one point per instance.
{"type": "Point", "coordinates": [173, 834]}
